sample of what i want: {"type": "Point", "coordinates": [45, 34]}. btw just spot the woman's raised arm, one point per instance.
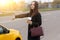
{"type": "Point", "coordinates": [22, 15]}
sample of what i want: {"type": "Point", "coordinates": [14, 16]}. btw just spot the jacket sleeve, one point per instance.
{"type": "Point", "coordinates": [38, 21]}
{"type": "Point", "coordinates": [22, 15]}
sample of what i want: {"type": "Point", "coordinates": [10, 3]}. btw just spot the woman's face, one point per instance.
{"type": "Point", "coordinates": [32, 5]}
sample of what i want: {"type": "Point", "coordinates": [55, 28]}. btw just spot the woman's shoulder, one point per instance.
{"type": "Point", "coordinates": [38, 14]}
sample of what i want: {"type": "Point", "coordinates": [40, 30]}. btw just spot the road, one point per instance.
{"type": "Point", "coordinates": [50, 24]}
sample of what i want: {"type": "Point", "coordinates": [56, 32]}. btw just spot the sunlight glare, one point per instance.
{"type": "Point", "coordinates": [4, 2]}
{"type": "Point", "coordinates": [17, 1]}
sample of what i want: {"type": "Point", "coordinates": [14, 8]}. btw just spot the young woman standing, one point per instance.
{"type": "Point", "coordinates": [35, 19]}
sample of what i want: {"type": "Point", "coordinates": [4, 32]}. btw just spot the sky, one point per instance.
{"type": "Point", "coordinates": [28, 1]}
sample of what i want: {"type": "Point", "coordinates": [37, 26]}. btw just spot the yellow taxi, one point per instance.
{"type": "Point", "coordinates": [9, 34]}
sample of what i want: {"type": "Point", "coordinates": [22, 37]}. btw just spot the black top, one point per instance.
{"type": "Point", "coordinates": [36, 21]}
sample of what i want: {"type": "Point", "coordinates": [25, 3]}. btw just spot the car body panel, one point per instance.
{"type": "Point", "coordinates": [12, 35]}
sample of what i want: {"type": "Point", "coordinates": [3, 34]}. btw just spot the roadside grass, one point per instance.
{"type": "Point", "coordinates": [43, 9]}
{"type": "Point", "coordinates": [26, 9]}
{"type": "Point", "coordinates": [49, 9]}
{"type": "Point", "coordinates": [6, 14]}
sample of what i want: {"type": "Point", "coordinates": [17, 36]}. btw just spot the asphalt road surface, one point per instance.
{"type": "Point", "coordinates": [50, 24]}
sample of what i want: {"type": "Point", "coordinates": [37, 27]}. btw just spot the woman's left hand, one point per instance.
{"type": "Point", "coordinates": [29, 22]}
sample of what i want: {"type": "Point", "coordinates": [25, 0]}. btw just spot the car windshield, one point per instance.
{"type": "Point", "coordinates": [1, 30]}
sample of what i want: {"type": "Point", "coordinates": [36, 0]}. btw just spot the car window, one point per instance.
{"type": "Point", "coordinates": [1, 30]}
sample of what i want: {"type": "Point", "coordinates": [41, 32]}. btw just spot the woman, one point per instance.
{"type": "Point", "coordinates": [35, 19]}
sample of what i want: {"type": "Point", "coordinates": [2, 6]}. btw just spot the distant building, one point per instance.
{"type": "Point", "coordinates": [56, 3]}
{"type": "Point", "coordinates": [45, 5]}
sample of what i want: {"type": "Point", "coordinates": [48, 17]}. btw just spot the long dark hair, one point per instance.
{"type": "Point", "coordinates": [35, 10]}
